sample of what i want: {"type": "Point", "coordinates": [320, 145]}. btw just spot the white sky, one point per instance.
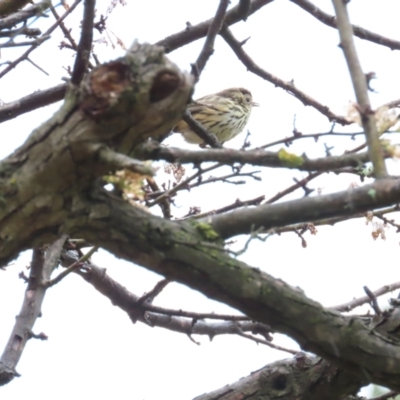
{"type": "Point", "coordinates": [94, 351]}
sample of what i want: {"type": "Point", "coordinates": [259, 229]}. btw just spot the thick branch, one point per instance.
{"type": "Point", "coordinates": [346, 203]}
{"type": "Point", "coordinates": [301, 378]}
{"type": "Point", "coordinates": [190, 253]}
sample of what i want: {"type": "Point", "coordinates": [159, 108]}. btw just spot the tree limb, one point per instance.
{"type": "Point", "coordinates": [359, 81]}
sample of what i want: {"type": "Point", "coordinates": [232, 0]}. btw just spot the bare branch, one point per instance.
{"type": "Point", "coordinates": [180, 321]}
{"type": "Point", "coordinates": [42, 266]}
{"type": "Point", "coordinates": [208, 47]}
{"type": "Point", "coordinates": [72, 268]}
{"type": "Point", "coordinates": [361, 33]}
{"type": "Point", "coordinates": [32, 102]}
{"type": "Point", "coordinates": [181, 185]}
{"type": "Point", "coordinates": [288, 86]}
{"type": "Point", "coordinates": [195, 32]}
{"type": "Point", "coordinates": [149, 297]}
{"type": "Point", "coordinates": [118, 161]}
{"type": "Point", "coordinates": [237, 204]}
{"type": "Point", "coordinates": [280, 159]}
{"type": "Point", "coordinates": [24, 30]}
{"type": "Point", "coordinates": [345, 307]}
{"type": "Point", "coordinates": [340, 204]}
{"type": "Point", "coordinates": [200, 131]}
{"type": "Point", "coordinates": [164, 204]}
{"type": "Point", "coordinates": [287, 141]}
{"type": "Point", "coordinates": [359, 81]}
{"type": "Point", "coordinates": [22, 15]}
{"type": "Point", "coordinates": [299, 184]}
{"type": "Point", "coordinates": [85, 43]}
{"type": "Point", "coordinates": [25, 56]}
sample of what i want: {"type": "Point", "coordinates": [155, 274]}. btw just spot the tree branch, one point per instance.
{"type": "Point", "coordinates": [359, 81]}
{"type": "Point", "coordinates": [350, 305]}
{"type": "Point", "coordinates": [195, 32]}
{"type": "Point", "coordinates": [208, 47]}
{"type": "Point", "coordinates": [280, 159]}
{"type": "Point", "coordinates": [309, 209]}
{"type": "Point", "coordinates": [361, 33]}
{"type": "Point", "coordinates": [25, 55]}
{"type": "Point", "coordinates": [42, 265]}
{"type": "Point", "coordinates": [15, 18]}
{"type": "Point", "coordinates": [237, 48]}
{"type": "Point", "coordinates": [85, 43]}
{"type": "Point", "coordinates": [179, 321]}
{"type": "Point", "coordinates": [32, 102]}
{"type": "Point", "coordinates": [200, 131]}
{"type": "Point", "coordinates": [302, 377]}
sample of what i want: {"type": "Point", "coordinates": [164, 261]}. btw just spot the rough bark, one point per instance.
{"type": "Point", "coordinates": [117, 106]}
{"type": "Point", "coordinates": [303, 377]}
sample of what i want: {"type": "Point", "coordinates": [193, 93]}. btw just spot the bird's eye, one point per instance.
{"type": "Point", "coordinates": [248, 99]}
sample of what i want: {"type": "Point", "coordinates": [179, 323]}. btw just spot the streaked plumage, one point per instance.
{"type": "Point", "coordinates": [224, 114]}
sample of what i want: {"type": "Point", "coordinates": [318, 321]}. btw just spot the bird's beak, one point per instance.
{"type": "Point", "coordinates": [255, 104]}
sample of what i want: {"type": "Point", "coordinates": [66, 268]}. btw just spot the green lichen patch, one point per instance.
{"type": "Point", "coordinates": [290, 160]}
{"type": "Point", "coordinates": [207, 232]}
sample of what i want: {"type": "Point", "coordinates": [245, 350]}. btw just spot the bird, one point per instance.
{"type": "Point", "coordinates": [223, 114]}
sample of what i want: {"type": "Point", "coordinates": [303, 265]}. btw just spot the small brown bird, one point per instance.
{"type": "Point", "coordinates": [224, 114]}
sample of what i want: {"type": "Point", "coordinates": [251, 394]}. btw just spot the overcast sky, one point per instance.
{"type": "Point", "coordinates": [94, 351]}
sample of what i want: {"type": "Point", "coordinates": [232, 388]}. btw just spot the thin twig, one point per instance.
{"type": "Point", "coordinates": [181, 185]}
{"type": "Point", "coordinates": [165, 204]}
{"type": "Point", "coordinates": [294, 187]}
{"type": "Point", "coordinates": [72, 268]}
{"type": "Point", "coordinates": [150, 296]}
{"type": "Point", "coordinates": [24, 56]}
{"type": "Point", "coordinates": [237, 204]}
{"type": "Point", "coordinates": [237, 48]}
{"type": "Point", "coordinates": [267, 343]}
{"type": "Point", "coordinates": [287, 141]}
